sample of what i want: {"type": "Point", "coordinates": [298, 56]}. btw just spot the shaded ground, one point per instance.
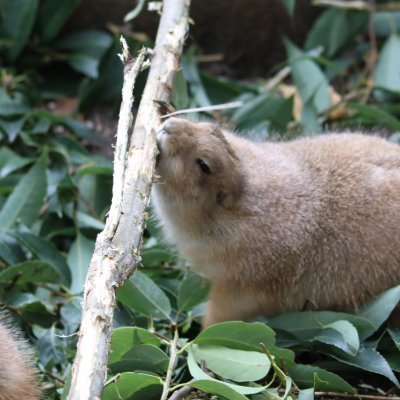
{"type": "Point", "coordinates": [246, 33]}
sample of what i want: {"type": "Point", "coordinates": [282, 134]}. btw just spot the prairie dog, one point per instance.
{"type": "Point", "coordinates": [279, 227]}
{"type": "Point", "coordinates": [17, 376]}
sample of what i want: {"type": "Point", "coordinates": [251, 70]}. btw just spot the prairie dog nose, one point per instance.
{"type": "Point", "coordinates": [171, 125]}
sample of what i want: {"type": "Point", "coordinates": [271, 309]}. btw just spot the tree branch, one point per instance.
{"type": "Point", "coordinates": [116, 253]}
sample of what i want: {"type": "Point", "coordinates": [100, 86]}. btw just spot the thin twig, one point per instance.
{"type": "Point", "coordinates": [353, 5]}
{"type": "Point", "coordinates": [357, 5]}
{"type": "Point", "coordinates": [113, 379]}
{"type": "Point", "coordinates": [66, 336]}
{"type": "Point", "coordinates": [180, 393]}
{"type": "Point", "coordinates": [124, 125]}
{"type": "Point", "coordinates": [359, 396]}
{"type": "Point", "coordinates": [206, 58]}
{"type": "Point", "coordinates": [373, 52]}
{"type": "Point", "coordinates": [90, 365]}
{"type": "Point", "coordinates": [278, 78]}
{"type": "Point", "coordinates": [52, 376]}
{"type": "Point", "coordinates": [234, 104]}
{"type": "Point", "coordinates": [349, 96]}
{"type": "Point", "coordinates": [171, 364]}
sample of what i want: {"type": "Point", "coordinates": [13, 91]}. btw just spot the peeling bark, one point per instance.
{"type": "Point", "coordinates": [116, 253]}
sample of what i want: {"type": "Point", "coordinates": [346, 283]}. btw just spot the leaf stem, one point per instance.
{"type": "Point", "coordinates": [171, 364]}
{"type": "Point", "coordinates": [180, 393]}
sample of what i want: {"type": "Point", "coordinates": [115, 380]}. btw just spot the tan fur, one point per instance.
{"type": "Point", "coordinates": [281, 226]}
{"type": "Point", "coordinates": [17, 376]}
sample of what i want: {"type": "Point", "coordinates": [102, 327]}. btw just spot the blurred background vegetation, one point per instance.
{"type": "Point", "coordinates": [298, 67]}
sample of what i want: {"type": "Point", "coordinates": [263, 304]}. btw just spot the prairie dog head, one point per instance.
{"type": "Point", "coordinates": [197, 163]}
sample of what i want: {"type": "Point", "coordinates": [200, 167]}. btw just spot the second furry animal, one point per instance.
{"type": "Point", "coordinates": [278, 227]}
{"type": "Point", "coordinates": [18, 379]}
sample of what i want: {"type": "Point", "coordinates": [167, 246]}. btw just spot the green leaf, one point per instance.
{"type": "Point", "coordinates": [79, 256]}
{"type": "Point", "coordinates": [123, 339]}
{"type": "Point", "coordinates": [283, 356]}
{"type": "Point", "coordinates": [387, 72]}
{"type": "Point", "coordinates": [10, 251]}
{"type": "Point", "coordinates": [266, 106]}
{"type": "Point", "coordinates": [86, 50]}
{"type": "Point", "coordinates": [91, 169]}
{"type": "Point", "coordinates": [12, 127]}
{"type": "Point", "coordinates": [395, 335]}
{"type": "Point", "coordinates": [28, 196]}
{"type": "Point", "coordinates": [30, 271]}
{"type": "Point", "coordinates": [46, 118]}
{"type": "Point", "coordinates": [223, 90]}
{"type": "Point", "coordinates": [10, 161]}
{"type": "Point", "coordinates": [386, 22]}
{"type": "Point", "coordinates": [333, 338]}
{"type": "Point", "coordinates": [141, 357]}
{"type": "Point", "coordinates": [155, 252]}
{"type": "Point", "coordinates": [368, 360]}
{"type": "Point", "coordinates": [236, 365]}
{"type": "Point", "coordinates": [307, 324]}
{"type": "Point", "coordinates": [375, 115]}
{"type": "Point", "coordinates": [71, 315]}
{"type": "Point", "coordinates": [86, 64]}
{"type": "Point", "coordinates": [95, 196]}
{"type": "Point", "coordinates": [311, 83]}
{"type": "Point", "coordinates": [237, 335]}
{"type": "Point", "coordinates": [335, 29]}
{"type": "Point", "coordinates": [180, 95]}
{"type": "Point", "coordinates": [142, 295]}
{"type": "Point", "coordinates": [52, 15]}
{"type": "Point", "coordinates": [348, 339]}
{"type": "Point", "coordinates": [393, 358]}
{"type": "Point", "coordinates": [307, 375]}
{"type": "Point", "coordinates": [84, 220]}
{"type": "Point", "coordinates": [45, 251]}
{"type": "Point", "coordinates": [17, 18]}
{"type": "Point", "coordinates": [51, 346]}
{"type": "Point", "coordinates": [32, 309]}
{"type": "Point", "coordinates": [95, 40]}
{"type": "Point", "coordinates": [192, 75]}
{"type": "Point", "coordinates": [379, 310]}
{"type": "Point", "coordinates": [306, 394]}
{"type": "Point", "coordinates": [192, 291]}
{"type": "Point", "coordinates": [198, 374]}
{"type": "Point", "coordinates": [41, 126]}
{"type": "Point", "coordinates": [134, 386]}
{"type": "Point", "coordinates": [12, 106]}
{"type": "Point", "coordinates": [109, 82]}
{"type": "Point", "coordinates": [218, 388]}
{"type": "Point", "coordinates": [289, 5]}
{"type": "Point", "coordinates": [308, 77]}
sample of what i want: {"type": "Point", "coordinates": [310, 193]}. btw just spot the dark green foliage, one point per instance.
{"type": "Point", "coordinates": [55, 193]}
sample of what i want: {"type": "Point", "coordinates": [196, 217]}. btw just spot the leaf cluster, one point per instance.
{"type": "Point", "coordinates": [344, 76]}
{"type": "Point", "coordinates": [237, 360]}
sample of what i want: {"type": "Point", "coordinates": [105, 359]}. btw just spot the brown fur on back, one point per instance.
{"type": "Point", "coordinates": [17, 376]}
{"type": "Point", "coordinates": [281, 226]}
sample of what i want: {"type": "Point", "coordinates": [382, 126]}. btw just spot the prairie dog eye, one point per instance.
{"type": "Point", "coordinates": [203, 166]}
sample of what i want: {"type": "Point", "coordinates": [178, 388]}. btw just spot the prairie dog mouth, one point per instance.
{"type": "Point", "coordinates": [161, 137]}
